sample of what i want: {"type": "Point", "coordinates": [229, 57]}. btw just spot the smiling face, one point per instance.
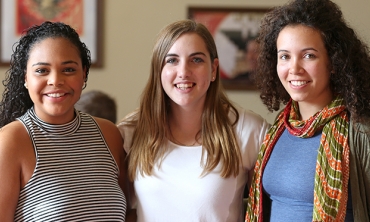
{"type": "Point", "coordinates": [303, 67]}
{"type": "Point", "coordinates": [54, 79]}
{"type": "Point", "coordinates": [188, 71]}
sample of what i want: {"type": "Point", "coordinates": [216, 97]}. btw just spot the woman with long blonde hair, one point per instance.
{"type": "Point", "coordinates": [189, 148]}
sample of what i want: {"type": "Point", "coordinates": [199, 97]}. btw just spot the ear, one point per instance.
{"type": "Point", "coordinates": [214, 69]}
{"type": "Point", "coordinates": [85, 74]}
{"type": "Point", "coordinates": [25, 82]}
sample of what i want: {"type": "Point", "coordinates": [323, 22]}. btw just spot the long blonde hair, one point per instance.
{"type": "Point", "coordinates": [151, 119]}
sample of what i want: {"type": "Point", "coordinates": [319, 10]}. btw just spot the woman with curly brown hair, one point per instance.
{"type": "Point", "coordinates": [314, 162]}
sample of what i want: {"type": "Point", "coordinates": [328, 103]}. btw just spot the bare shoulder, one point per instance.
{"type": "Point", "coordinates": [14, 144]}
{"type": "Point", "coordinates": [107, 127]}
{"type": "Point", "coordinates": [13, 135]}
{"type": "Point", "coordinates": [112, 136]}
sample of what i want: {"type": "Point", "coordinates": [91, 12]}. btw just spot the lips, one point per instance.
{"type": "Point", "coordinates": [298, 83]}
{"type": "Point", "coordinates": [184, 86]}
{"type": "Point", "coordinates": [55, 95]}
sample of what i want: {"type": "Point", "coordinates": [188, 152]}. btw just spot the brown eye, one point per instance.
{"type": "Point", "coordinates": [40, 71]}
{"type": "Point", "coordinates": [284, 57]}
{"type": "Point", "coordinates": [309, 56]}
{"type": "Point", "coordinates": [69, 70]}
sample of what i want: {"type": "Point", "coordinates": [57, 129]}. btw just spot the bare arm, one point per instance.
{"type": "Point", "coordinates": [10, 171]}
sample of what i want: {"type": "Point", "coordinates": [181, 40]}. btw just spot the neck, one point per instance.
{"type": "Point", "coordinates": [184, 127]}
{"type": "Point", "coordinates": [308, 109]}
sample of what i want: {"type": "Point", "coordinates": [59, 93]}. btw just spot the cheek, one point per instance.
{"type": "Point", "coordinates": [281, 71]}
{"type": "Point", "coordinates": [167, 75]}
{"type": "Point", "coordinates": [204, 73]}
{"type": "Point", "coordinates": [163, 77]}
{"type": "Point", "coordinates": [75, 83]}
{"type": "Point", "coordinates": [34, 85]}
{"type": "Point", "coordinates": [165, 81]}
{"type": "Point", "coordinates": [322, 74]}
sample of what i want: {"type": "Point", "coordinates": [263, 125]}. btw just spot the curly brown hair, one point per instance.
{"type": "Point", "coordinates": [348, 55]}
{"type": "Point", "coordinates": [16, 100]}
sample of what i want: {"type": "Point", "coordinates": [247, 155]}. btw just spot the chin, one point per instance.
{"type": "Point", "coordinates": [298, 98]}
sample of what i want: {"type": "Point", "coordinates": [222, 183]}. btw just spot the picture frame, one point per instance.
{"type": "Point", "coordinates": [235, 31]}
{"type": "Point", "coordinates": [85, 16]}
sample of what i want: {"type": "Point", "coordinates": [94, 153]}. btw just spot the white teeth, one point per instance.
{"type": "Point", "coordinates": [298, 83]}
{"type": "Point", "coordinates": [184, 86]}
{"type": "Point", "coordinates": [56, 95]}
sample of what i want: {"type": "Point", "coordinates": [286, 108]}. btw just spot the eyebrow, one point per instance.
{"type": "Point", "coordinates": [192, 54]}
{"type": "Point", "coordinates": [305, 49]}
{"type": "Point", "coordinates": [48, 64]}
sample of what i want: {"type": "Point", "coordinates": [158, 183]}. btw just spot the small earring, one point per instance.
{"type": "Point", "coordinates": [84, 85]}
{"type": "Point", "coordinates": [25, 85]}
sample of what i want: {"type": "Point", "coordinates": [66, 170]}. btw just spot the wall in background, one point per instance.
{"type": "Point", "coordinates": [130, 29]}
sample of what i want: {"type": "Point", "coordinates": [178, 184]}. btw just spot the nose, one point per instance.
{"type": "Point", "coordinates": [295, 68]}
{"type": "Point", "coordinates": [184, 70]}
{"type": "Point", "coordinates": [55, 78]}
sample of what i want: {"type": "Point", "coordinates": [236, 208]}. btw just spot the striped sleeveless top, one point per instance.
{"type": "Point", "coordinates": [75, 178]}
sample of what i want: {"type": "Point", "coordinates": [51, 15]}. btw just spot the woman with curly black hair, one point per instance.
{"type": "Point", "coordinates": [314, 162]}
{"type": "Point", "coordinates": [56, 163]}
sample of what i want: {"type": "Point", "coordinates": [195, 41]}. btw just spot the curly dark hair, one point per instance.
{"type": "Point", "coordinates": [16, 99]}
{"type": "Point", "coordinates": [348, 55]}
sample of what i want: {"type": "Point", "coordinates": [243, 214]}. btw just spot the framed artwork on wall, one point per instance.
{"type": "Point", "coordinates": [85, 16]}
{"type": "Point", "coordinates": [234, 31]}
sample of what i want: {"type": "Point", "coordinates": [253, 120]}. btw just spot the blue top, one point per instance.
{"type": "Point", "coordinates": [289, 176]}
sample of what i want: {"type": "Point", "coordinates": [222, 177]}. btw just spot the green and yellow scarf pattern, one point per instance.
{"type": "Point", "coordinates": [332, 165]}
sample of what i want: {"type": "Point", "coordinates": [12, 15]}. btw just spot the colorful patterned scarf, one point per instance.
{"type": "Point", "coordinates": [332, 165]}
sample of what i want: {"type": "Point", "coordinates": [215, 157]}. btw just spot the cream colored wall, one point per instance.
{"type": "Point", "coordinates": [130, 30]}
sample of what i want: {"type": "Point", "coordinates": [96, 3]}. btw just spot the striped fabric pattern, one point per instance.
{"type": "Point", "coordinates": [75, 177]}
